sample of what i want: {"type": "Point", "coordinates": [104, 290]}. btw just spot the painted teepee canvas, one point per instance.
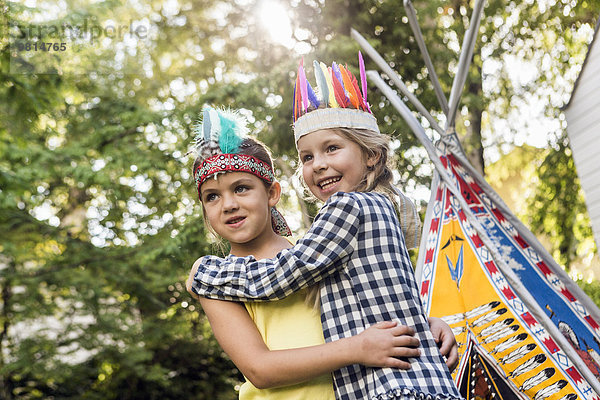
{"type": "Point", "coordinates": [525, 330]}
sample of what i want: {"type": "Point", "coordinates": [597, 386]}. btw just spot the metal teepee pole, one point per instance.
{"type": "Point", "coordinates": [405, 113]}
{"type": "Point", "coordinates": [464, 61]}
{"type": "Point", "coordinates": [412, 19]}
{"type": "Point", "coordinates": [396, 79]}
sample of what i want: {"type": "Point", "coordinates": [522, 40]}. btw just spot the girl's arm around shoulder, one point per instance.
{"type": "Point", "coordinates": [378, 346]}
{"type": "Point", "coordinates": [189, 283]}
{"type": "Point", "coordinates": [323, 251]}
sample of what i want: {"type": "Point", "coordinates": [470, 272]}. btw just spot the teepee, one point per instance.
{"type": "Point", "coordinates": [525, 330]}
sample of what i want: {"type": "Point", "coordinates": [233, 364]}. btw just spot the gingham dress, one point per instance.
{"type": "Point", "coordinates": [356, 248]}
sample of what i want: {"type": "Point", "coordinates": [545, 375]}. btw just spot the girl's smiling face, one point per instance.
{"type": "Point", "coordinates": [237, 206]}
{"type": "Point", "coordinates": [330, 163]}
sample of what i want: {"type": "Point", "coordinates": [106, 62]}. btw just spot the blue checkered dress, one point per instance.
{"type": "Point", "coordinates": [355, 248]}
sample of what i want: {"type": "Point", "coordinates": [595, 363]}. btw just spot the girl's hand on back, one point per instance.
{"type": "Point", "coordinates": [385, 343]}
{"type": "Point", "coordinates": [442, 333]}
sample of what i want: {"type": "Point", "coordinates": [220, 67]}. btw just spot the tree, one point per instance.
{"type": "Point", "coordinates": [559, 194]}
{"type": "Point", "coordinates": [99, 224]}
{"type": "Point", "coordinates": [98, 211]}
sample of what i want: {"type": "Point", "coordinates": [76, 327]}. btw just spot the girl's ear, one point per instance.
{"type": "Point", "coordinates": [274, 194]}
{"type": "Point", "coordinates": [373, 160]}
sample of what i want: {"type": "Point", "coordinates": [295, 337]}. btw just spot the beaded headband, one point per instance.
{"type": "Point", "coordinates": [218, 139]}
{"type": "Point", "coordinates": [338, 102]}
{"type": "Point", "coordinates": [229, 162]}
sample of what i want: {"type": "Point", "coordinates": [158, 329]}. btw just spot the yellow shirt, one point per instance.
{"type": "Point", "coordinates": [287, 324]}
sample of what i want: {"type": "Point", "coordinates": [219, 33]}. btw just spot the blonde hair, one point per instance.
{"type": "Point", "coordinates": [377, 178]}
{"type": "Point", "coordinates": [373, 145]}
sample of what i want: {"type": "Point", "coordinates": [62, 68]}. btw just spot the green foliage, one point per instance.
{"type": "Point", "coordinates": [99, 229]}
{"type": "Point", "coordinates": [592, 289]}
{"type": "Point", "coordinates": [558, 208]}
{"type": "Point", "coordinates": [97, 207]}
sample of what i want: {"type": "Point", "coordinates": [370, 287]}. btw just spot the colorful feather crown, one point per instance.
{"type": "Point", "coordinates": [337, 103]}
{"type": "Point", "coordinates": [219, 131]}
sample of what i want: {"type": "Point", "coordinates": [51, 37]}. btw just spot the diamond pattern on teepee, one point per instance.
{"type": "Point", "coordinates": [518, 305]}
{"type": "Point", "coordinates": [437, 208]}
{"type": "Point", "coordinates": [533, 255]}
{"type": "Point", "coordinates": [562, 359]}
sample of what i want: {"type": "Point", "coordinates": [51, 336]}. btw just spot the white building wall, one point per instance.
{"type": "Point", "coordinates": [583, 128]}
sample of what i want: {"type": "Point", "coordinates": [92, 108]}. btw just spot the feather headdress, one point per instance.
{"type": "Point", "coordinates": [219, 130]}
{"type": "Point", "coordinates": [337, 103]}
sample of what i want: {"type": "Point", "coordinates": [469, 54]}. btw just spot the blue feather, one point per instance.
{"type": "Point", "coordinates": [229, 140]}
{"type": "Point", "coordinates": [312, 96]}
{"type": "Point", "coordinates": [456, 271]}
{"type": "Point", "coordinates": [337, 72]}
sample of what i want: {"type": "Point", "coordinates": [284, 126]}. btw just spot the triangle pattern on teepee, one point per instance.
{"type": "Point", "coordinates": [480, 377]}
